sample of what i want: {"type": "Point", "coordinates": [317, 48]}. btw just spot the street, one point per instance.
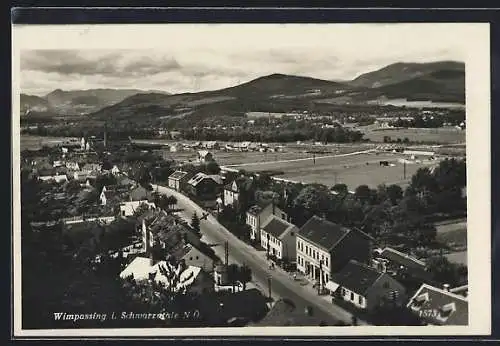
{"type": "Point", "coordinates": [282, 284]}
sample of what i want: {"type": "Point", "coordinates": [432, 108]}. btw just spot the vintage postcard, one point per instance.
{"type": "Point", "coordinates": [257, 179]}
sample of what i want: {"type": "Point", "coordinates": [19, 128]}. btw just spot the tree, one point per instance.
{"type": "Point", "coordinates": [245, 275]}
{"type": "Point", "coordinates": [72, 187]}
{"type": "Point", "coordinates": [443, 271]}
{"type": "Point", "coordinates": [171, 201]}
{"type": "Point", "coordinates": [363, 193]}
{"type": "Point", "coordinates": [212, 167]}
{"type": "Point", "coordinates": [195, 223]}
{"type": "Point", "coordinates": [233, 274]}
{"type": "Point", "coordinates": [394, 193]}
{"type": "Point", "coordinates": [340, 189]}
{"type": "Point", "coordinates": [106, 165]}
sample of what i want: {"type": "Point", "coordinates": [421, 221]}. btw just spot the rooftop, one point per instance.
{"type": "Point", "coordinates": [276, 226]}
{"type": "Point", "coordinates": [447, 308]}
{"type": "Point", "coordinates": [284, 313]}
{"type": "Point", "coordinates": [178, 175]}
{"type": "Point", "coordinates": [323, 233]}
{"type": "Point", "coordinates": [141, 267]}
{"type": "Point", "coordinates": [402, 258]}
{"type": "Point", "coordinates": [356, 277]}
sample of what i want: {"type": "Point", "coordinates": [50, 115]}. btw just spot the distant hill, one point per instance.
{"type": "Point", "coordinates": [86, 101]}
{"type": "Point", "coordinates": [400, 72]}
{"type": "Point", "coordinates": [275, 88]}
{"type": "Point", "coordinates": [440, 81]}
{"type": "Point", "coordinates": [31, 103]}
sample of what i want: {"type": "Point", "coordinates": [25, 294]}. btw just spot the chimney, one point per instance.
{"type": "Point", "coordinates": [446, 287]}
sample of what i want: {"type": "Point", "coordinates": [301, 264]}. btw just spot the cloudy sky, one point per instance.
{"type": "Point", "coordinates": [187, 58]}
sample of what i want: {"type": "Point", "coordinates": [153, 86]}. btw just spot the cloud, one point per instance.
{"type": "Point", "coordinates": [221, 56]}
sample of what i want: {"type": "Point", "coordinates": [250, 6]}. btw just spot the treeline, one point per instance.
{"type": "Point", "coordinates": [274, 134]}
{"type": "Point", "coordinates": [429, 121]}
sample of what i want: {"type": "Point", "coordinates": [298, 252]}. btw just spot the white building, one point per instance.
{"type": "Point", "coordinates": [279, 238]}
{"type": "Point", "coordinates": [324, 247]}
{"type": "Point", "coordinates": [129, 208]}
{"type": "Point", "coordinates": [365, 287]}
{"type": "Point", "coordinates": [57, 178]}
{"type": "Point", "coordinates": [142, 268]}
{"type": "Point", "coordinates": [257, 214]}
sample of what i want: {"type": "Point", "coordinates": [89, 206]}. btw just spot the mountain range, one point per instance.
{"type": "Point", "coordinates": [442, 81]}
{"type": "Point", "coordinates": [76, 102]}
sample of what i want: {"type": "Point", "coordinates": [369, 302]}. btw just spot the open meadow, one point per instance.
{"type": "Point", "coordinates": [352, 170]}
{"type": "Point", "coordinates": [439, 135]}
{"type": "Point", "coordinates": [29, 142]}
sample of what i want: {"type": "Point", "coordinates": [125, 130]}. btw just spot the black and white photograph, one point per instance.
{"type": "Point", "coordinates": [256, 179]}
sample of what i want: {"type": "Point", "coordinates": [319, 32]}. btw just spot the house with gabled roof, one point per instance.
{"type": "Point", "coordinates": [365, 287]}
{"type": "Point", "coordinates": [178, 180]}
{"type": "Point", "coordinates": [324, 247]}
{"type": "Point", "coordinates": [278, 237]}
{"type": "Point", "coordinates": [260, 212]}
{"type": "Point", "coordinates": [440, 306]}
{"type": "Point", "coordinates": [233, 190]}
{"type": "Point", "coordinates": [204, 187]}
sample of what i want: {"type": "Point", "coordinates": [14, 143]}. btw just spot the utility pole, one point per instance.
{"type": "Point", "coordinates": [314, 158]}
{"type": "Point", "coordinates": [226, 252]}
{"type": "Point", "coordinates": [269, 285]}
{"type": "Point", "coordinates": [404, 170]}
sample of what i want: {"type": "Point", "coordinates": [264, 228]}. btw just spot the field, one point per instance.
{"type": "Point", "coordinates": [454, 235]}
{"type": "Point", "coordinates": [36, 142]}
{"type": "Point", "coordinates": [351, 169]}
{"type": "Point", "coordinates": [441, 135]}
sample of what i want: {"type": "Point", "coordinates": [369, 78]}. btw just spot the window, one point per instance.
{"type": "Point", "coordinates": [197, 257]}
{"type": "Point", "coordinates": [352, 296]}
{"type": "Point", "coordinates": [360, 300]}
{"type": "Point", "coordinates": [326, 261]}
{"type": "Point", "coordinates": [343, 291]}
{"type": "Point", "coordinates": [326, 277]}
{"type": "Point", "coordinates": [314, 253]}
{"type": "Point", "coordinates": [386, 285]}
{"type": "Point", "coordinates": [292, 234]}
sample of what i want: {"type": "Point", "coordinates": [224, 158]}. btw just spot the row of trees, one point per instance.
{"type": "Point", "coordinates": [274, 134]}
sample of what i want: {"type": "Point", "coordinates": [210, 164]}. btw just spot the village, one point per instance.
{"type": "Point", "coordinates": [244, 248]}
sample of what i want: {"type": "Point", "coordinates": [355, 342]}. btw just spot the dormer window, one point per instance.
{"type": "Point", "coordinates": [445, 311]}
{"type": "Point", "coordinates": [419, 301]}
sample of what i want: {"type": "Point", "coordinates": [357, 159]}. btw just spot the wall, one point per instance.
{"type": "Point", "coordinates": [354, 298]}
{"type": "Point", "coordinates": [382, 287]}
{"type": "Point", "coordinates": [308, 257]}
{"type": "Point", "coordinates": [354, 246]}
{"type": "Point", "coordinates": [196, 258]}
